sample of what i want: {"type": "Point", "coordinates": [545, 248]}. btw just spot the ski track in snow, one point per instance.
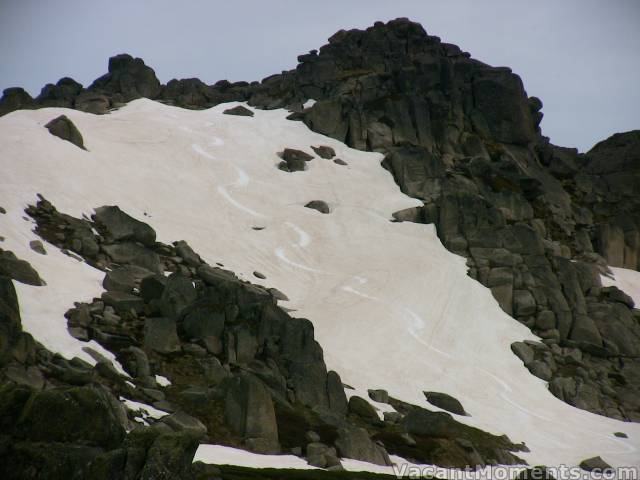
{"type": "Point", "coordinates": [303, 237]}
{"type": "Point", "coordinates": [402, 308]}
{"type": "Point", "coordinates": [200, 151]}
{"type": "Point", "coordinates": [222, 190]}
{"type": "Point", "coordinates": [279, 252]}
{"type": "Point", "coordinates": [242, 181]}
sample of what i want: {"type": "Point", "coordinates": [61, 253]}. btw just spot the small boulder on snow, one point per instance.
{"type": "Point", "coordinates": [445, 402]}
{"type": "Point", "coordinates": [324, 151]}
{"type": "Point", "coordinates": [293, 160]}
{"type": "Point", "coordinates": [65, 129]}
{"type": "Point", "coordinates": [37, 246]}
{"type": "Point", "coordinates": [239, 111]}
{"type": "Point", "coordinates": [595, 464]}
{"type": "Point", "coordinates": [319, 205]}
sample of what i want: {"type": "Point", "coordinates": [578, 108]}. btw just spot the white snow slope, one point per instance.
{"type": "Point", "coordinates": [391, 307]}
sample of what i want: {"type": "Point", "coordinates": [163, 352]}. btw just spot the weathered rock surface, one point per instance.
{"type": "Point", "coordinates": [355, 443]}
{"type": "Point", "coordinates": [249, 410]}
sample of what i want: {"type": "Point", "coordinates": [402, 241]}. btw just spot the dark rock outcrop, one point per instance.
{"type": "Point", "coordinates": [536, 222]}
{"type": "Point", "coordinates": [10, 323]}
{"type": "Point", "coordinates": [250, 412]}
{"type": "Point", "coordinates": [128, 78]}
{"type": "Point", "coordinates": [15, 99]}
{"type": "Point", "coordinates": [62, 94]}
{"type": "Point", "coordinates": [17, 269]}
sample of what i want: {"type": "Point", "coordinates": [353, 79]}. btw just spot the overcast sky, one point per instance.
{"type": "Point", "coordinates": [581, 57]}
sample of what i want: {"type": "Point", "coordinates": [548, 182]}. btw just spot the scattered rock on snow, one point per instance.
{"type": "Point", "coordinates": [595, 464]}
{"type": "Point", "coordinates": [324, 152]}
{"type": "Point", "coordinates": [239, 111]}
{"type": "Point", "coordinates": [339, 161]}
{"type": "Point", "coordinates": [446, 402]}
{"type": "Point", "coordinates": [65, 129]}
{"type": "Point", "coordinates": [37, 246]}
{"type": "Point", "coordinates": [259, 275]}
{"type": "Point", "coordinates": [294, 160]}
{"type": "Point", "coordinates": [319, 205]}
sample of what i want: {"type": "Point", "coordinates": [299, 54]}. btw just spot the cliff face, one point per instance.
{"type": "Point", "coordinates": [537, 223]}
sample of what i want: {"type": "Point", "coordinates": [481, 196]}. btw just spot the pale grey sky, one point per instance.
{"type": "Point", "coordinates": [581, 57]}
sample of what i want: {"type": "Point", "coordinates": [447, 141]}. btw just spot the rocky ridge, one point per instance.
{"type": "Point", "coordinates": [240, 370]}
{"type": "Point", "coordinates": [537, 223]}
